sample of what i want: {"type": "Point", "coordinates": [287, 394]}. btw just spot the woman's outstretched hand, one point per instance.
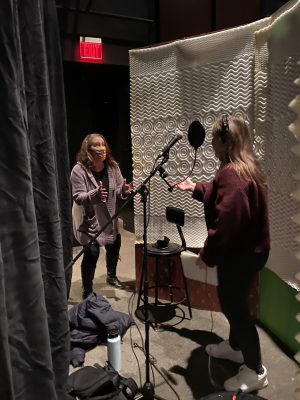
{"type": "Point", "coordinates": [127, 188]}
{"type": "Point", "coordinates": [186, 185]}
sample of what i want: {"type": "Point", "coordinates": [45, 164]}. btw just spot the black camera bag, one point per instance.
{"type": "Point", "coordinates": [100, 383]}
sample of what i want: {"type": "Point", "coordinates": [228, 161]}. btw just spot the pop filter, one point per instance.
{"type": "Point", "coordinates": [196, 134]}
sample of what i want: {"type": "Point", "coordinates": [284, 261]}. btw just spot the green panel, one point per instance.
{"type": "Point", "coordinates": [278, 308]}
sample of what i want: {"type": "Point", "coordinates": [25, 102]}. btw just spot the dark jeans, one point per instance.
{"type": "Point", "coordinates": [90, 258]}
{"type": "Point", "coordinates": [236, 278]}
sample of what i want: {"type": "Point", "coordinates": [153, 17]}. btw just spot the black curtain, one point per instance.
{"type": "Point", "coordinates": [35, 204]}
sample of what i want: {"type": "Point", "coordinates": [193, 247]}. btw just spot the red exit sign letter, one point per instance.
{"type": "Point", "coordinates": [90, 49]}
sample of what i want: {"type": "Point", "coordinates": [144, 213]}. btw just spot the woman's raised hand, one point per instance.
{"type": "Point", "coordinates": [127, 188]}
{"type": "Point", "coordinates": [102, 192]}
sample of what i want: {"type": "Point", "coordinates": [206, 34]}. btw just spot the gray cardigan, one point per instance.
{"type": "Point", "coordinates": [89, 213]}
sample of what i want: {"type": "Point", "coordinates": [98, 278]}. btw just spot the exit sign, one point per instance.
{"type": "Point", "coordinates": [90, 49]}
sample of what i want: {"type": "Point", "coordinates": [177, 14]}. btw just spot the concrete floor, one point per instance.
{"type": "Point", "coordinates": [179, 367]}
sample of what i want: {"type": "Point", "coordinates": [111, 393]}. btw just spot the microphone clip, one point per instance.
{"type": "Point", "coordinates": [162, 172]}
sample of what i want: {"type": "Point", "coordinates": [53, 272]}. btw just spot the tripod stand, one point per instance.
{"type": "Point", "coordinates": [148, 389]}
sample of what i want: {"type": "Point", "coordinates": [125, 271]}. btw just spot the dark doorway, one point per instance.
{"type": "Point", "coordinates": [97, 100]}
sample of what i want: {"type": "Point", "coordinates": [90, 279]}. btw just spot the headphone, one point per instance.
{"type": "Point", "coordinates": [224, 128]}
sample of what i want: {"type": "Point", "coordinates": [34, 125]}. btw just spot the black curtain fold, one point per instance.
{"type": "Point", "coordinates": [35, 204]}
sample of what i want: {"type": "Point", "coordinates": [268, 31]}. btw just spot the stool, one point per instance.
{"type": "Point", "coordinates": [164, 251]}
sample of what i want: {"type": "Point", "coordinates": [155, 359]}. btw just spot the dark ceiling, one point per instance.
{"type": "Point", "coordinates": [130, 22]}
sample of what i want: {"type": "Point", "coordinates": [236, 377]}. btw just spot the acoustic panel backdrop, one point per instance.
{"type": "Point", "coordinates": [171, 86]}
{"type": "Point", "coordinates": [277, 57]}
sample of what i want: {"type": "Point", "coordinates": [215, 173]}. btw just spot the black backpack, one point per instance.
{"type": "Point", "coordinates": [100, 383]}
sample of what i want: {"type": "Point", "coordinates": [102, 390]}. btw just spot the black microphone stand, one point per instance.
{"type": "Point", "coordinates": [147, 391]}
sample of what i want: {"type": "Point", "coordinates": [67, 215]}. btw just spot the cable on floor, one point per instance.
{"type": "Point", "coordinates": [152, 360]}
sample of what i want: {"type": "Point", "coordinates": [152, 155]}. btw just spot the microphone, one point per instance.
{"type": "Point", "coordinates": [196, 134]}
{"type": "Point", "coordinates": [171, 143]}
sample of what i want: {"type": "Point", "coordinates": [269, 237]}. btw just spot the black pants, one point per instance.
{"type": "Point", "coordinates": [236, 278]}
{"type": "Point", "coordinates": [90, 258]}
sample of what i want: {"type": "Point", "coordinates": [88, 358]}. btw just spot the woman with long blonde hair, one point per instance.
{"type": "Point", "coordinates": [97, 182]}
{"type": "Point", "coordinates": [237, 243]}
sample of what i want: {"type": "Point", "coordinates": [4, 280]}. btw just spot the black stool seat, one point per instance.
{"type": "Point", "coordinates": [173, 249]}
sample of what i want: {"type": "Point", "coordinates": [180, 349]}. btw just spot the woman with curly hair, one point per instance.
{"type": "Point", "coordinates": [97, 182]}
{"type": "Point", "coordinates": [238, 243]}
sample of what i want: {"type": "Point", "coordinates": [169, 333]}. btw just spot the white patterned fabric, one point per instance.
{"type": "Point", "coordinates": [171, 86]}
{"type": "Point", "coordinates": [277, 57]}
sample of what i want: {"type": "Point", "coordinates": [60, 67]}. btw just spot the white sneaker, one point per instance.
{"type": "Point", "coordinates": [225, 351]}
{"type": "Point", "coordinates": [247, 380]}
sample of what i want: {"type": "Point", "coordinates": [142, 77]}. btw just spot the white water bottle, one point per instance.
{"type": "Point", "coordinates": [114, 349]}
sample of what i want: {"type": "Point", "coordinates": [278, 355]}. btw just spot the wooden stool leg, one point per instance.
{"type": "Point", "coordinates": [156, 280]}
{"type": "Point", "coordinates": [186, 291]}
{"type": "Point", "coordinates": [170, 283]}
{"type": "Point", "coordinates": [141, 287]}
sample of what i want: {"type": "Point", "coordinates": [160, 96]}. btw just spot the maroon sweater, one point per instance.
{"type": "Point", "coordinates": [236, 214]}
